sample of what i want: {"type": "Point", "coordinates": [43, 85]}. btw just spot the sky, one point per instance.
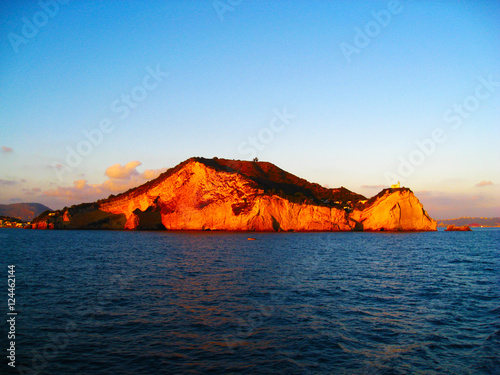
{"type": "Point", "coordinates": [98, 97]}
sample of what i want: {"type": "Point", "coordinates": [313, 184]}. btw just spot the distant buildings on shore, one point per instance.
{"type": "Point", "coordinates": [8, 222]}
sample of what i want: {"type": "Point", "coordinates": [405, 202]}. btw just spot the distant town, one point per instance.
{"type": "Point", "coordinates": [12, 222]}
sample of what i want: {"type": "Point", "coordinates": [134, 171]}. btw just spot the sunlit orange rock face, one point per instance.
{"type": "Point", "coordinates": [221, 194]}
{"type": "Point", "coordinates": [199, 197]}
{"type": "Point", "coordinates": [43, 225]}
{"type": "Point", "coordinates": [393, 209]}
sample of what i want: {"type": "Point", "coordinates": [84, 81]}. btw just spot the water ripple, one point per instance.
{"type": "Point", "coordinates": [288, 303]}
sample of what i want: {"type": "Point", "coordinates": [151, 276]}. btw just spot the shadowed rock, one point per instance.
{"type": "Point", "coordinates": [463, 228]}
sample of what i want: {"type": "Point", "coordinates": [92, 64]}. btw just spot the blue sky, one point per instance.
{"type": "Point", "coordinates": [344, 93]}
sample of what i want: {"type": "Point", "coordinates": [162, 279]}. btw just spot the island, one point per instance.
{"type": "Point", "coordinates": [236, 195]}
{"type": "Point", "coordinates": [455, 228]}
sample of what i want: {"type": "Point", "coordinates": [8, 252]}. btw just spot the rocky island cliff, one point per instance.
{"type": "Point", "coordinates": [222, 194]}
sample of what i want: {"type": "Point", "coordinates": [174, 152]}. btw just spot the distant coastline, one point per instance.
{"type": "Point", "coordinates": [491, 222]}
{"type": "Point", "coordinates": [474, 222]}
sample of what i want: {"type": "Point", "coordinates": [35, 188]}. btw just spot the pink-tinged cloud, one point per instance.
{"type": "Point", "coordinates": [6, 149]}
{"type": "Point", "coordinates": [8, 182]}
{"type": "Point", "coordinates": [120, 179]}
{"type": "Point", "coordinates": [79, 191]}
{"type": "Point", "coordinates": [484, 183]}
{"type": "Point", "coordinates": [424, 193]}
{"type": "Point", "coordinates": [373, 186]}
{"type": "Point", "coordinates": [448, 205]}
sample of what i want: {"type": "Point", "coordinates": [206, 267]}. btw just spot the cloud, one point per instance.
{"type": "Point", "coordinates": [123, 171]}
{"type": "Point", "coordinates": [6, 149]}
{"type": "Point", "coordinates": [119, 185]}
{"type": "Point", "coordinates": [149, 174]}
{"type": "Point", "coordinates": [424, 193]}
{"type": "Point", "coordinates": [79, 191]}
{"type": "Point", "coordinates": [80, 184]}
{"type": "Point", "coordinates": [448, 205]}
{"type": "Point", "coordinates": [8, 182]}
{"type": "Point", "coordinates": [484, 183]}
{"type": "Point", "coordinates": [373, 186]}
{"type": "Point", "coordinates": [120, 179]}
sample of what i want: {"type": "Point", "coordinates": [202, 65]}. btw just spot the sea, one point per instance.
{"type": "Point", "coordinates": [122, 302]}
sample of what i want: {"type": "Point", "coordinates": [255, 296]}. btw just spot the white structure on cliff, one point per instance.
{"type": "Point", "coordinates": [395, 186]}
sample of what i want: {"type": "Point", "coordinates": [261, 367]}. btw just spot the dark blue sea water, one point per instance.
{"type": "Point", "coordinates": [106, 302]}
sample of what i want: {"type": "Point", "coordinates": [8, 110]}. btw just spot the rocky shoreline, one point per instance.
{"type": "Point", "coordinates": [232, 195]}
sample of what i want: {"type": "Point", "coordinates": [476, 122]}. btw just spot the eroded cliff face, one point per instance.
{"type": "Point", "coordinates": [199, 194]}
{"type": "Point", "coordinates": [393, 210]}
{"type": "Point", "coordinates": [201, 198]}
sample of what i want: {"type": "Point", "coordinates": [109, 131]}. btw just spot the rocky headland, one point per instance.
{"type": "Point", "coordinates": [463, 228]}
{"type": "Point", "coordinates": [222, 194]}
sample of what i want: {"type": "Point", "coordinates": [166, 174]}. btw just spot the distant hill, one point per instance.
{"type": "Point", "coordinates": [22, 211]}
{"type": "Point", "coordinates": [471, 221]}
